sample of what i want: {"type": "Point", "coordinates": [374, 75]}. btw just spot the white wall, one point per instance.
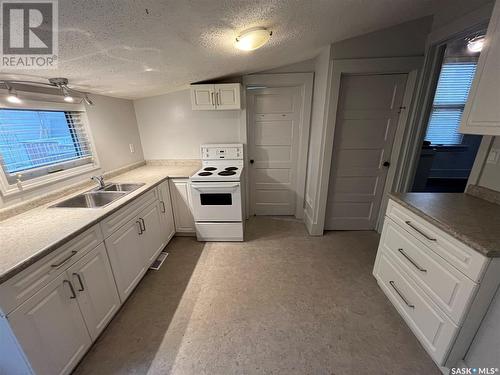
{"type": "Point", "coordinates": [170, 129]}
{"type": "Point", "coordinates": [318, 124]}
{"type": "Point", "coordinates": [406, 39]}
{"type": "Point", "coordinates": [490, 175]}
{"type": "Point", "coordinates": [113, 126]}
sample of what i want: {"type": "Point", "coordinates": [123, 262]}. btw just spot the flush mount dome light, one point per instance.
{"type": "Point", "coordinates": [476, 44]}
{"type": "Point", "coordinates": [253, 38]}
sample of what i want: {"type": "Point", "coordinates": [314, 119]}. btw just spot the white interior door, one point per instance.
{"type": "Point", "coordinates": [273, 143]}
{"type": "Point", "coordinates": [367, 117]}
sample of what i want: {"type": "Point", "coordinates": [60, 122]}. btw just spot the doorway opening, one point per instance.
{"type": "Point", "coordinates": [447, 156]}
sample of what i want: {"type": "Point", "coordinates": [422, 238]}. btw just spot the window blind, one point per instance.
{"type": "Point", "coordinates": [452, 90]}
{"type": "Point", "coordinates": [33, 139]}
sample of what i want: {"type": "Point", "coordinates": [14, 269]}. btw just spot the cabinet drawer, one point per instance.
{"type": "Point", "coordinates": [432, 327]}
{"type": "Point", "coordinates": [468, 261]}
{"type": "Point", "coordinates": [447, 286]}
{"type": "Point", "coordinates": [128, 212]}
{"type": "Point", "coordinates": [26, 283]}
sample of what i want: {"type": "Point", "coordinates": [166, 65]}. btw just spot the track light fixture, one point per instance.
{"type": "Point", "coordinates": [12, 96]}
{"type": "Point", "coordinates": [61, 83]}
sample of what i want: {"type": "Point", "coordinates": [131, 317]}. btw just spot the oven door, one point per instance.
{"type": "Point", "coordinates": [216, 201]}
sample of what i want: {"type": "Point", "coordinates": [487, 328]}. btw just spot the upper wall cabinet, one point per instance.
{"type": "Point", "coordinates": [212, 97]}
{"type": "Point", "coordinates": [482, 111]}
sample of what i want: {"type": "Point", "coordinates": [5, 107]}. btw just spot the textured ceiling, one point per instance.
{"type": "Point", "coordinates": [140, 48]}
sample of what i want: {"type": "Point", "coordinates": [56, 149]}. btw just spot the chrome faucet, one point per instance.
{"type": "Point", "coordinates": [99, 180]}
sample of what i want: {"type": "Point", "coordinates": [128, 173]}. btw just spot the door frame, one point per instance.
{"type": "Point", "coordinates": [304, 81]}
{"type": "Point", "coordinates": [392, 65]}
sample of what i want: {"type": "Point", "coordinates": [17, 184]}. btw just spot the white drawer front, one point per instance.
{"type": "Point", "coordinates": [468, 261]}
{"type": "Point", "coordinates": [121, 217]}
{"type": "Point", "coordinates": [432, 327]}
{"type": "Point", "coordinates": [26, 283]}
{"type": "Point", "coordinates": [447, 286]}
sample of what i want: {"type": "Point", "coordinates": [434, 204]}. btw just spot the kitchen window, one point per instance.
{"type": "Point", "coordinates": [455, 80]}
{"type": "Point", "coordinates": [37, 143]}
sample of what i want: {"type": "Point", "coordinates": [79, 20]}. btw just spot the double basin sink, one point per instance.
{"type": "Point", "coordinates": [99, 197]}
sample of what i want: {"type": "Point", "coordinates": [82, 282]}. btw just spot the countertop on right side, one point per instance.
{"type": "Point", "coordinates": [470, 219]}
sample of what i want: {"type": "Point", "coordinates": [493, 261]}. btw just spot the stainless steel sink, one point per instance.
{"type": "Point", "coordinates": [91, 199]}
{"type": "Point", "coordinates": [121, 187]}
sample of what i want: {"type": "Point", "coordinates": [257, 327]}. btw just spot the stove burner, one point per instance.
{"type": "Point", "coordinates": [209, 169]}
{"type": "Point", "coordinates": [231, 168]}
{"type": "Point", "coordinates": [226, 173]}
{"type": "Point", "coordinates": [205, 173]}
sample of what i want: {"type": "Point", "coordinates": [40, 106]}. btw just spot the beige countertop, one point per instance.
{"type": "Point", "coordinates": [471, 220]}
{"type": "Point", "coordinates": [30, 236]}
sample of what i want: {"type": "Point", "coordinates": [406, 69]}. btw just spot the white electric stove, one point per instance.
{"type": "Point", "coordinates": [216, 193]}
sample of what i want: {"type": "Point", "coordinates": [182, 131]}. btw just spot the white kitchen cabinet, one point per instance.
{"type": "Point", "coordinates": [96, 291]}
{"type": "Point", "coordinates": [213, 97]}
{"type": "Point", "coordinates": [126, 255]}
{"type": "Point", "coordinates": [181, 204]}
{"type": "Point", "coordinates": [482, 111]}
{"type": "Point", "coordinates": [50, 328]}
{"type": "Point", "coordinates": [167, 217]}
{"type": "Point", "coordinates": [153, 240]}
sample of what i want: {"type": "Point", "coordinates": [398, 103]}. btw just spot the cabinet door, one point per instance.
{"type": "Point", "coordinates": [228, 96]}
{"type": "Point", "coordinates": [202, 97]}
{"type": "Point", "coordinates": [152, 238]}
{"type": "Point", "coordinates": [50, 328]}
{"type": "Point", "coordinates": [482, 111]}
{"type": "Point", "coordinates": [167, 217]}
{"type": "Point", "coordinates": [96, 289]}
{"type": "Point", "coordinates": [183, 218]}
{"type": "Point", "coordinates": [126, 255]}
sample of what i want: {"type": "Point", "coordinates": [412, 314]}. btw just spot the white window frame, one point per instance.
{"type": "Point", "coordinates": [9, 189]}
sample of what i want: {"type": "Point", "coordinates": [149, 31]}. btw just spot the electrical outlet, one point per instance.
{"type": "Point", "coordinates": [493, 156]}
{"type": "Point", "coordinates": [132, 148]}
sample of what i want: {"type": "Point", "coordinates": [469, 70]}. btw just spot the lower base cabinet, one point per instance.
{"type": "Point", "coordinates": [95, 287]}
{"type": "Point", "coordinates": [51, 330]}
{"type": "Point", "coordinates": [126, 257]}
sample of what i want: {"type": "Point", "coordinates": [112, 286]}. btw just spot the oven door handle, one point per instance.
{"type": "Point", "coordinates": [214, 187]}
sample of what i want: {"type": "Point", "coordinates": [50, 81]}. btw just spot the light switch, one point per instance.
{"type": "Point", "coordinates": [493, 156]}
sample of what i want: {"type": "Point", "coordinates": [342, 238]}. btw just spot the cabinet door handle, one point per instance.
{"type": "Point", "coordinates": [412, 261]}
{"type": "Point", "coordinates": [217, 99]}
{"type": "Point", "coordinates": [143, 224]}
{"type": "Point", "coordinates": [212, 98]}
{"type": "Point", "coordinates": [73, 293]}
{"type": "Point", "coordinates": [82, 288]}
{"type": "Point", "coordinates": [401, 295]}
{"type": "Point", "coordinates": [140, 227]}
{"type": "Point", "coordinates": [408, 222]}
{"type": "Point", "coordinates": [163, 209]}
{"type": "Point", "coordinates": [58, 265]}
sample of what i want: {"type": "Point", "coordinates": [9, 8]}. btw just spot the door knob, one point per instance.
{"type": "Point", "coordinates": [251, 161]}
{"type": "Point", "coordinates": [386, 164]}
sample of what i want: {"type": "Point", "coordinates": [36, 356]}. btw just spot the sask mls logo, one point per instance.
{"type": "Point", "coordinates": [29, 34]}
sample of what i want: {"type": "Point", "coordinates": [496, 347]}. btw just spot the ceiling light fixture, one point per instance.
{"type": "Point", "coordinates": [60, 83]}
{"type": "Point", "coordinates": [252, 39]}
{"type": "Point", "coordinates": [12, 97]}
{"type": "Point", "coordinates": [476, 44]}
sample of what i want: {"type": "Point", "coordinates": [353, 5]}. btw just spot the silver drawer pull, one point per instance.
{"type": "Point", "coordinates": [163, 209]}
{"type": "Point", "coordinates": [401, 295]}
{"type": "Point", "coordinates": [408, 222]}
{"type": "Point", "coordinates": [412, 261]}
{"type": "Point", "coordinates": [73, 293]}
{"type": "Point", "coordinates": [57, 265]}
